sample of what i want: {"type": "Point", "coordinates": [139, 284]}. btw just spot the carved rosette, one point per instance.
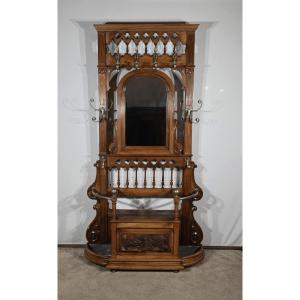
{"type": "Point", "coordinates": [189, 70]}
{"type": "Point", "coordinates": [178, 148]}
{"type": "Point", "coordinates": [102, 70]}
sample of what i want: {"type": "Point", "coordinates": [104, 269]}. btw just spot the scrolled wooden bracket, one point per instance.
{"type": "Point", "coordinates": [97, 230]}
{"type": "Point", "coordinates": [196, 231]}
{"type": "Point", "coordinates": [191, 232]}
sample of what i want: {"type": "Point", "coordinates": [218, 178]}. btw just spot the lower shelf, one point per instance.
{"type": "Point", "coordinates": [101, 253]}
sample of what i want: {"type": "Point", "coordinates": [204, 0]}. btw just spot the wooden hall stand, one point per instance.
{"type": "Point", "coordinates": [146, 73]}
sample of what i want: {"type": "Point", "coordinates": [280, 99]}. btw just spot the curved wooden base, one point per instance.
{"type": "Point", "coordinates": [185, 261]}
{"type": "Point", "coordinates": [188, 261]}
{"type": "Point", "coordinates": [96, 258]}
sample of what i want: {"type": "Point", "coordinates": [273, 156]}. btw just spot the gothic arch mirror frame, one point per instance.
{"type": "Point", "coordinates": [168, 149]}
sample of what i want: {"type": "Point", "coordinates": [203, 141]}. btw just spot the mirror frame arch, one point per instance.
{"type": "Point", "coordinates": [121, 107]}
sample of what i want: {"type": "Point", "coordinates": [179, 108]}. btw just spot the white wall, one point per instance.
{"type": "Point", "coordinates": [217, 140]}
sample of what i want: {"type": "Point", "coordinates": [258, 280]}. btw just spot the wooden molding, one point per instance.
{"type": "Point", "coordinates": [146, 26]}
{"type": "Point", "coordinates": [205, 247]}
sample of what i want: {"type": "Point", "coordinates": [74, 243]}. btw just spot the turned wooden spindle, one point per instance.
{"type": "Point", "coordinates": [153, 181]}
{"type": "Point", "coordinates": [127, 178]}
{"type": "Point", "coordinates": [118, 180]}
{"type": "Point", "coordinates": [136, 177]}
{"type": "Point", "coordinates": [145, 177]}
{"type": "Point", "coordinates": [171, 181]}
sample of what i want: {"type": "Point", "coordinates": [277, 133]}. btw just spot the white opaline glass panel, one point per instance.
{"type": "Point", "coordinates": [150, 47]}
{"type": "Point", "coordinates": [141, 48]}
{"type": "Point", "coordinates": [122, 47]}
{"type": "Point", "coordinates": [158, 178]}
{"type": "Point", "coordinates": [177, 178]}
{"type": "Point", "coordinates": [131, 178]}
{"type": "Point", "coordinates": [169, 48]}
{"type": "Point", "coordinates": [167, 178]}
{"type": "Point", "coordinates": [145, 203]}
{"type": "Point", "coordinates": [160, 47]}
{"type": "Point", "coordinates": [112, 48]}
{"type": "Point", "coordinates": [140, 177]}
{"type": "Point", "coordinates": [132, 48]}
{"type": "Point", "coordinates": [123, 176]}
{"type": "Point", "coordinates": [179, 48]}
{"type": "Point", "coordinates": [149, 178]}
{"type": "Point", "coordinates": [114, 177]}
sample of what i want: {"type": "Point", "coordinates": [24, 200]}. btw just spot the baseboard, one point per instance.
{"type": "Point", "coordinates": [71, 245]}
{"type": "Point", "coordinates": [205, 247]}
{"type": "Point", "coordinates": [224, 247]}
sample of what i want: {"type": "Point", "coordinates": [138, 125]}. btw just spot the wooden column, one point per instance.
{"type": "Point", "coordinates": [189, 80]}
{"type": "Point", "coordinates": [102, 84]}
{"type": "Point", "coordinates": [114, 224]}
{"type": "Point", "coordinates": [176, 222]}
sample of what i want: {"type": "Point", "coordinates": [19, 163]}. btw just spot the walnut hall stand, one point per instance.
{"type": "Point", "coordinates": [145, 115]}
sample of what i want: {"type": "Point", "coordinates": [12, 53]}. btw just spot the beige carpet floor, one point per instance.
{"type": "Point", "coordinates": [218, 277]}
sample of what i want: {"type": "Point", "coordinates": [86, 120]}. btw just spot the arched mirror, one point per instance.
{"type": "Point", "coordinates": [145, 111]}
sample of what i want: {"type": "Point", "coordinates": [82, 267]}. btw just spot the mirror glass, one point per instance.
{"type": "Point", "coordinates": [146, 101]}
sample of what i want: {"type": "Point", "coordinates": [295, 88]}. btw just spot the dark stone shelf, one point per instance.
{"type": "Point", "coordinates": [105, 249]}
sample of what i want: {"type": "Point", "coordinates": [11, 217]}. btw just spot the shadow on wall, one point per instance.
{"type": "Point", "coordinates": [75, 211]}
{"type": "Point", "coordinates": [208, 213]}
{"type": "Point", "coordinates": [209, 207]}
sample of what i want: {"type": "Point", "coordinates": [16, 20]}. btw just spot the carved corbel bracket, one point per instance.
{"type": "Point", "coordinates": [196, 231]}
{"type": "Point", "coordinates": [90, 191]}
{"type": "Point", "coordinates": [191, 232]}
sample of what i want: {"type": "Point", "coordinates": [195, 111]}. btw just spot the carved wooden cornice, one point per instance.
{"type": "Point", "coordinates": [176, 26]}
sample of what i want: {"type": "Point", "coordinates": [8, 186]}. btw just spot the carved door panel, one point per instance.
{"type": "Point", "coordinates": [144, 241]}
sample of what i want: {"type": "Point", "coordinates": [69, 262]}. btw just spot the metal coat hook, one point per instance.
{"type": "Point", "coordinates": [189, 113]}
{"type": "Point", "coordinates": [101, 111]}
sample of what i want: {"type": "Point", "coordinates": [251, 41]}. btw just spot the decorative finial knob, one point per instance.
{"type": "Point", "coordinates": [176, 192]}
